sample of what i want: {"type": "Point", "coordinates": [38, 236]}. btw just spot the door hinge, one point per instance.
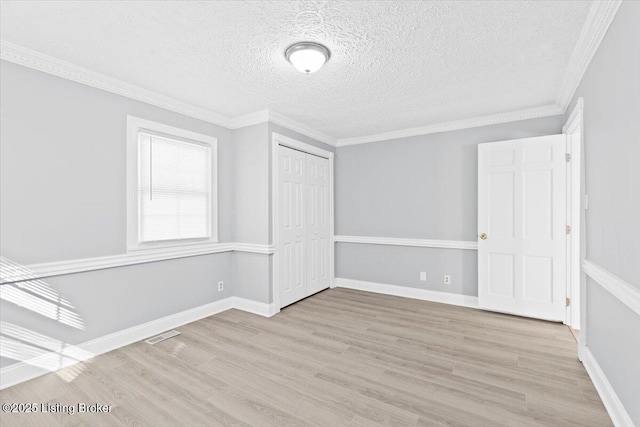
{"type": "Point", "coordinates": [568, 302]}
{"type": "Point", "coordinates": [568, 229]}
{"type": "Point", "coordinates": [567, 156]}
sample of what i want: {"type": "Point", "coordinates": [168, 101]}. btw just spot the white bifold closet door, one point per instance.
{"type": "Point", "coordinates": [317, 195]}
{"type": "Point", "coordinates": [303, 240]}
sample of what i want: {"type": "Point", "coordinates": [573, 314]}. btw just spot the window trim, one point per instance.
{"type": "Point", "coordinates": [136, 125]}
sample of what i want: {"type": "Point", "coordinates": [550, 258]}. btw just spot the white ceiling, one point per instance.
{"type": "Point", "coordinates": [394, 65]}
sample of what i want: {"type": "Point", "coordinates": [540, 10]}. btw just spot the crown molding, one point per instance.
{"type": "Point", "coordinates": [296, 126]}
{"type": "Point", "coordinates": [272, 116]}
{"type": "Point", "coordinates": [48, 64]}
{"type": "Point", "coordinates": [593, 31]}
{"type": "Point", "coordinates": [38, 61]}
{"type": "Point", "coordinates": [491, 119]}
{"type": "Point", "coordinates": [250, 119]}
{"type": "Point", "coordinates": [600, 16]}
{"type": "Point", "coordinates": [599, 19]}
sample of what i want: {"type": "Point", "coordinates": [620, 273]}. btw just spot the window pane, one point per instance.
{"type": "Point", "coordinates": [174, 189]}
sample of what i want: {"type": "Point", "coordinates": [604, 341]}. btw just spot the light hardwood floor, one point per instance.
{"type": "Point", "coordinates": [339, 358]}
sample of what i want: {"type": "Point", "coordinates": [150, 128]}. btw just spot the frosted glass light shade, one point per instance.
{"type": "Point", "coordinates": [307, 57]}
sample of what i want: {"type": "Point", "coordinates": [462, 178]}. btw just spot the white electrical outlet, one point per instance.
{"type": "Point", "coordinates": [220, 286]}
{"type": "Point", "coordinates": [447, 279]}
{"type": "Point", "coordinates": [423, 276]}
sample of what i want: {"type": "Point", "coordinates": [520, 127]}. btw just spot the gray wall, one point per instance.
{"type": "Point", "coordinates": [613, 337]}
{"type": "Point", "coordinates": [252, 197]}
{"type": "Point", "coordinates": [107, 301]}
{"type": "Point", "coordinates": [398, 265]}
{"type": "Point", "coordinates": [63, 197]}
{"type": "Point", "coordinates": [422, 187]}
{"type": "Point", "coordinates": [252, 275]}
{"type": "Point", "coordinates": [63, 167]}
{"type": "Point", "coordinates": [611, 92]}
{"type": "Point", "coordinates": [252, 201]}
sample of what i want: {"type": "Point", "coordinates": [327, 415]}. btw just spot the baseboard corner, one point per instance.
{"type": "Point", "coordinates": [254, 307]}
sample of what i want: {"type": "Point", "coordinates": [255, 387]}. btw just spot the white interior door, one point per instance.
{"type": "Point", "coordinates": [318, 230]}
{"type": "Point", "coordinates": [522, 226]}
{"type": "Point", "coordinates": [291, 225]}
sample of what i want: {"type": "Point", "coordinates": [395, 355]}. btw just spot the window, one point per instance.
{"type": "Point", "coordinates": [171, 186]}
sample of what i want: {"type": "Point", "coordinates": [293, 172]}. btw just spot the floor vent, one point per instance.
{"type": "Point", "coordinates": [162, 337]}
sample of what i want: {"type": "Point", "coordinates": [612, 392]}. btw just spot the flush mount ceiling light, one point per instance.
{"type": "Point", "coordinates": [307, 57]}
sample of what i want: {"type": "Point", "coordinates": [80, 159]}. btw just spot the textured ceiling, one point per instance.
{"type": "Point", "coordinates": [394, 65]}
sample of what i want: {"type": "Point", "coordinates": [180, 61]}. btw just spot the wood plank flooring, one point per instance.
{"type": "Point", "coordinates": [339, 358]}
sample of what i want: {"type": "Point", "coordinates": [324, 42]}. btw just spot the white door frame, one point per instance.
{"type": "Point", "coordinates": [576, 291]}
{"type": "Point", "coordinates": [276, 140]}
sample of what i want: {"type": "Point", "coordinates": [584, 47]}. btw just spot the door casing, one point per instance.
{"type": "Point", "coordinates": [576, 211]}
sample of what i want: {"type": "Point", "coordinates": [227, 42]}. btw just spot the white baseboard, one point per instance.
{"type": "Point", "coordinates": [70, 355]}
{"type": "Point", "coordinates": [250, 306]}
{"type": "Point", "coordinates": [404, 291]}
{"type": "Point", "coordinates": [582, 347]}
{"type": "Point", "coordinates": [612, 403]}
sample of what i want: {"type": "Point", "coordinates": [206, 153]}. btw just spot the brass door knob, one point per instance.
{"type": "Point", "coordinates": [483, 236]}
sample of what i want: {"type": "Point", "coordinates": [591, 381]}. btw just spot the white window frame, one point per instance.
{"type": "Point", "coordinates": [136, 125]}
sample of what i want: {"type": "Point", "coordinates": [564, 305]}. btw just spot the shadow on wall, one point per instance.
{"type": "Point", "coordinates": [21, 287]}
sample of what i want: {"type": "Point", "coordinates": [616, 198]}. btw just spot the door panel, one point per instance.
{"type": "Point", "coordinates": [501, 274]}
{"type": "Point", "coordinates": [538, 278]}
{"type": "Point", "coordinates": [501, 205]}
{"type": "Point", "coordinates": [522, 210]}
{"type": "Point", "coordinates": [292, 226]}
{"type": "Point", "coordinates": [538, 204]}
{"type": "Point", "coordinates": [318, 223]}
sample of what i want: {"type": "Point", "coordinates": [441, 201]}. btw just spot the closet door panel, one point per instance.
{"type": "Point", "coordinates": [292, 244]}
{"type": "Point", "coordinates": [317, 220]}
